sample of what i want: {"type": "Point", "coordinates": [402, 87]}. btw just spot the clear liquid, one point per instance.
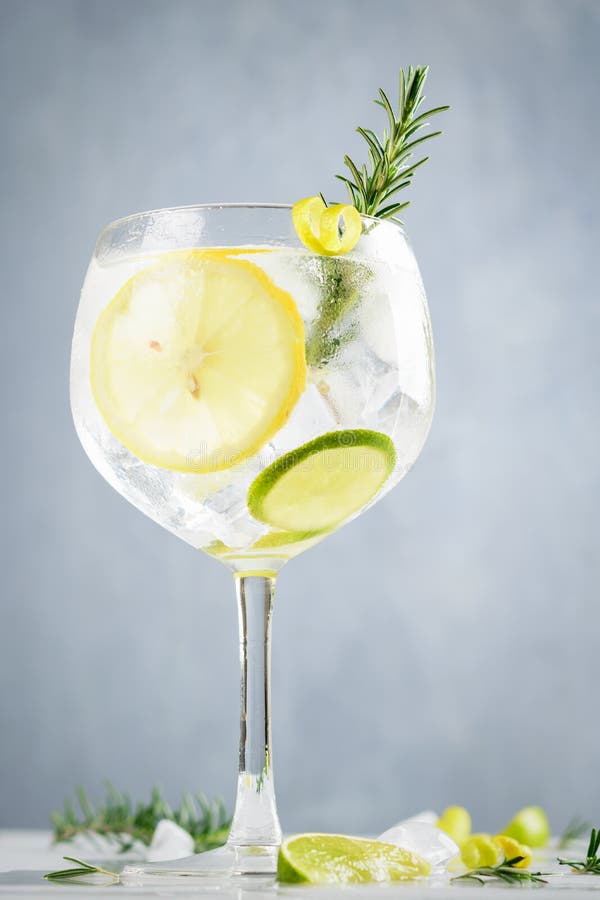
{"type": "Point", "coordinates": [373, 369]}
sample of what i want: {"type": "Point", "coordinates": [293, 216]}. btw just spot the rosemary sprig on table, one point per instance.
{"type": "Point", "coordinates": [504, 871]}
{"type": "Point", "coordinates": [121, 822]}
{"type": "Point", "coordinates": [82, 870]}
{"type": "Point", "coordinates": [591, 864]}
{"type": "Point", "coordinates": [390, 160]}
{"type": "Point", "coordinates": [575, 829]}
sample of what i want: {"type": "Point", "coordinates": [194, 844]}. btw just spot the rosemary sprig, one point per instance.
{"type": "Point", "coordinates": [391, 159]}
{"type": "Point", "coordinates": [591, 864]}
{"type": "Point", "coordinates": [504, 871]}
{"type": "Point", "coordinates": [122, 823]}
{"type": "Point", "coordinates": [340, 292]}
{"type": "Point", "coordinates": [82, 869]}
{"type": "Point", "coordinates": [371, 189]}
{"type": "Point", "coordinates": [575, 829]}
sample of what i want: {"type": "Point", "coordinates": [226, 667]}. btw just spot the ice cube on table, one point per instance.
{"type": "Point", "coordinates": [169, 841]}
{"type": "Point", "coordinates": [423, 838]}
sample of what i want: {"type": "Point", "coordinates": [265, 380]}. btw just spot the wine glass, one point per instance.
{"type": "Point", "coordinates": [250, 396]}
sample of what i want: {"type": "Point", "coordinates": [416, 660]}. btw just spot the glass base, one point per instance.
{"type": "Point", "coordinates": [225, 862]}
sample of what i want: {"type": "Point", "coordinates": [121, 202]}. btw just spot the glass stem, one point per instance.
{"type": "Point", "coordinates": [255, 820]}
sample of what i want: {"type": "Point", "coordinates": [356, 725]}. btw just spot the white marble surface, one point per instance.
{"type": "Point", "coordinates": [26, 854]}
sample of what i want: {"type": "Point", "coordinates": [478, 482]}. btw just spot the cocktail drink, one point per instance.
{"type": "Point", "coordinates": [251, 396]}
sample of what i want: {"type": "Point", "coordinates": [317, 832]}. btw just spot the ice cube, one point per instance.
{"type": "Point", "coordinates": [169, 841]}
{"type": "Point", "coordinates": [427, 815]}
{"type": "Point", "coordinates": [314, 414]}
{"type": "Point", "coordinates": [423, 838]}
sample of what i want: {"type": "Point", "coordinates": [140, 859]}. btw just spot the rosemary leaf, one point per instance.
{"type": "Point", "coordinates": [121, 823]}
{"type": "Point", "coordinates": [391, 170]}
{"type": "Point", "coordinates": [504, 871]}
{"type": "Point", "coordinates": [83, 869]}
{"type": "Point", "coordinates": [591, 864]}
{"type": "Point", "coordinates": [575, 829]}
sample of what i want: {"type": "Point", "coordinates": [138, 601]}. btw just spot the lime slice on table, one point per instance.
{"type": "Point", "coordinates": [322, 483]}
{"type": "Point", "coordinates": [197, 361]}
{"type": "Point", "coordinates": [337, 859]}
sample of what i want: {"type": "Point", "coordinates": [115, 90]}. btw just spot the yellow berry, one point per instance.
{"type": "Point", "coordinates": [455, 821]}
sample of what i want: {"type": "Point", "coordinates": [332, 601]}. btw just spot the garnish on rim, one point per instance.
{"type": "Point", "coordinates": [371, 187]}
{"type": "Point", "coordinates": [328, 230]}
{"type": "Point", "coordinates": [390, 159]}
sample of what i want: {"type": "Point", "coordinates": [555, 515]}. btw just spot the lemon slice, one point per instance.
{"type": "Point", "coordinates": [322, 483]}
{"type": "Point", "coordinates": [328, 230]}
{"type": "Point", "coordinates": [338, 859]}
{"type": "Point", "coordinates": [198, 361]}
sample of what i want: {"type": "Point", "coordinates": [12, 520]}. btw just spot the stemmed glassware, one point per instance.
{"type": "Point", "coordinates": [250, 396]}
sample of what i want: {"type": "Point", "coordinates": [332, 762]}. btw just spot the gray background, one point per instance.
{"type": "Point", "coordinates": [444, 647]}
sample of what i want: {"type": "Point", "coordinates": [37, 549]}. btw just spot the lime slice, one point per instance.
{"type": "Point", "coordinates": [337, 859]}
{"type": "Point", "coordinates": [198, 361]}
{"type": "Point", "coordinates": [322, 483]}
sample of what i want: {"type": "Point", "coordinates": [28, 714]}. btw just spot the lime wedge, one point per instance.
{"type": "Point", "coordinates": [197, 361]}
{"type": "Point", "coordinates": [338, 859]}
{"type": "Point", "coordinates": [322, 483]}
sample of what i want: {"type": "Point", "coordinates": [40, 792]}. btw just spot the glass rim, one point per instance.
{"type": "Point", "coordinates": [121, 220]}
